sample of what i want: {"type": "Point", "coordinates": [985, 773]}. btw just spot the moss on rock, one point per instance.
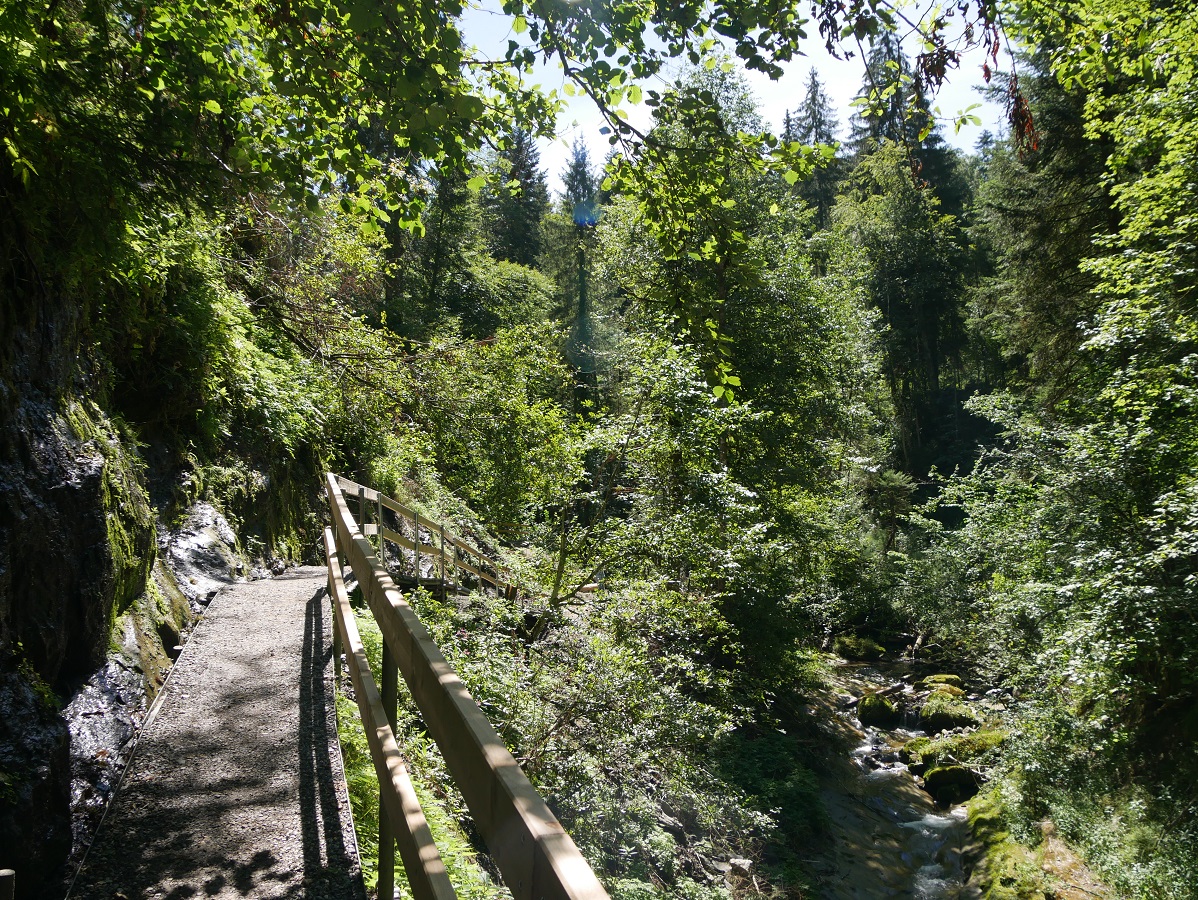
{"type": "Point", "coordinates": [941, 712]}
{"type": "Point", "coordinates": [951, 680]}
{"type": "Point", "coordinates": [963, 748]}
{"type": "Point", "coordinates": [127, 512]}
{"type": "Point", "coordinates": [948, 689]}
{"type": "Point", "coordinates": [875, 709]}
{"type": "Point", "coordinates": [1003, 869]}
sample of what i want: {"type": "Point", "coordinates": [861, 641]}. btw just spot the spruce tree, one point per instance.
{"type": "Point", "coordinates": [815, 123]}
{"type": "Point", "coordinates": [516, 206]}
{"type": "Point", "coordinates": [580, 183]}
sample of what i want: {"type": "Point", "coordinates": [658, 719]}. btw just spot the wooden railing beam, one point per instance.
{"type": "Point", "coordinates": [401, 811]}
{"type": "Point", "coordinates": [536, 857]}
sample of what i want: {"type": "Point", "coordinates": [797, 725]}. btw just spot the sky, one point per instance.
{"type": "Point", "coordinates": [489, 29]}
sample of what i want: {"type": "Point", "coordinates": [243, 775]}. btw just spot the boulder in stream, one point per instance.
{"type": "Point", "coordinates": [950, 784]}
{"type": "Point", "coordinates": [876, 709]}
{"type": "Point", "coordinates": [952, 680]}
{"type": "Point", "coordinates": [941, 712]}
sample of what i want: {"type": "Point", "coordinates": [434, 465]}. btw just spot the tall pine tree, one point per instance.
{"type": "Point", "coordinates": [515, 208]}
{"type": "Point", "coordinates": [815, 123]}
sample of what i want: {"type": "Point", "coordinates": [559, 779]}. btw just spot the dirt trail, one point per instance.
{"type": "Point", "coordinates": [234, 791]}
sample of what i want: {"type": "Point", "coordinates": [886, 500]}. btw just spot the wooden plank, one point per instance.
{"type": "Point", "coordinates": [536, 857]}
{"type": "Point", "coordinates": [404, 541]}
{"type": "Point", "coordinates": [426, 873]}
{"type": "Point", "coordinates": [396, 538]}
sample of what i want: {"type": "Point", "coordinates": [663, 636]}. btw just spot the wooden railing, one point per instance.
{"type": "Point", "coordinates": [448, 556]}
{"type": "Point", "coordinates": [536, 857]}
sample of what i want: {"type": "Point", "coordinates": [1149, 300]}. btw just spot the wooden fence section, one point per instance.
{"type": "Point", "coordinates": [426, 872]}
{"type": "Point", "coordinates": [449, 555]}
{"type": "Point", "coordinates": [536, 857]}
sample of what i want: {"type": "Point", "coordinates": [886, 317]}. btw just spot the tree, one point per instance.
{"type": "Point", "coordinates": [515, 205]}
{"type": "Point", "coordinates": [815, 123]}
{"type": "Point", "coordinates": [910, 253]}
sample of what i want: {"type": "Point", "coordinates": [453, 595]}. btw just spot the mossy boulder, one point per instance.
{"type": "Point", "coordinates": [951, 680]}
{"type": "Point", "coordinates": [928, 752]}
{"type": "Point", "coordinates": [948, 689]}
{"type": "Point", "coordinates": [941, 712]}
{"type": "Point", "coordinates": [950, 784]}
{"type": "Point", "coordinates": [851, 646]}
{"type": "Point", "coordinates": [1004, 869]}
{"type": "Point", "coordinates": [876, 709]}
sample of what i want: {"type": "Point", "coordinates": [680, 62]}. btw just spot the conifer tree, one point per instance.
{"type": "Point", "coordinates": [515, 207]}
{"type": "Point", "coordinates": [815, 123]}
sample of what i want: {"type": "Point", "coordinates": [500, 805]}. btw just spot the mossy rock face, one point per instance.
{"type": "Point", "coordinates": [1006, 870]}
{"type": "Point", "coordinates": [850, 646]}
{"type": "Point", "coordinates": [941, 712]}
{"type": "Point", "coordinates": [948, 689]}
{"type": "Point", "coordinates": [874, 709]}
{"type": "Point", "coordinates": [950, 784]}
{"type": "Point", "coordinates": [951, 680]}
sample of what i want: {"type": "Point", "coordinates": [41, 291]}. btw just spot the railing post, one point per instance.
{"type": "Point", "coordinates": [362, 511]}
{"type": "Point", "coordinates": [442, 527]}
{"type": "Point", "coordinates": [382, 551]}
{"type": "Point", "coordinates": [389, 689]}
{"type": "Point", "coordinates": [336, 561]}
{"type": "Point", "coordinates": [416, 541]}
{"type": "Point", "coordinates": [8, 884]}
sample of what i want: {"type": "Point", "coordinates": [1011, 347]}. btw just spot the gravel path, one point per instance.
{"type": "Point", "coordinates": [236, 788]}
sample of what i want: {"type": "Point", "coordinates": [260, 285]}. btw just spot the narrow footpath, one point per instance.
{"type": "Point", "coordinates": [235, 789]}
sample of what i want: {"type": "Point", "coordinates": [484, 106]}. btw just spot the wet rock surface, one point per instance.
{"type": "Point", "coordinates": [35, 831]}
{"type": "Point", "coordinates": [76, 541]}
{"type": "Point", "coordinates": [202, 554]}
{"type": "Point", "coordinates": [103, 717]}
{"type": "Point", "coordinates": [234, 790]}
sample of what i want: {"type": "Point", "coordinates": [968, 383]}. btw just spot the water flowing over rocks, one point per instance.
{"type": "Point", "coordinates": [892, 836]}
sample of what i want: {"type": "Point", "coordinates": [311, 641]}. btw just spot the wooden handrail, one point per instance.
{"type": "Point", "coordinates": [426, 873]}
{"type": "Point", "coordinates": [536, 857]}
{"type": "Point", "coordinates": [447, 560]}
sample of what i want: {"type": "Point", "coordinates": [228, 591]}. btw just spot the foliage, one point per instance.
{"type": "Point", "coordinates": [515, 206]}
{"type": "Point", "coordinates": [438, 799]}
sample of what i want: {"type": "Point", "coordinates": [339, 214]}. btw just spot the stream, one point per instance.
{"type": "Point", "coordinates": [889, 837]}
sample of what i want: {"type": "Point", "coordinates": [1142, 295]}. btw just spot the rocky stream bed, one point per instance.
{"type": "Point", "coordinates": [917, 749]}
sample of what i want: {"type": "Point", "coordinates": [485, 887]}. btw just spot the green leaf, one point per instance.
{"type": "Point", "coordinates": [790, 176]}
{"type": "Point", "coordinates": [212, 106]}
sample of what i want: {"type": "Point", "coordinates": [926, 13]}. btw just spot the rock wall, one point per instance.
{"type": "Point", "coordinates": [76, 545]}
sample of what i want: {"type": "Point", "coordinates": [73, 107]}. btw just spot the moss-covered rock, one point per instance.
{"type": "Point", "coordinates": [852, 646]}
{"type": "Point", "coordinates": [933, 680]}
{"type": "Point", "coordinates": [876, 709]}
{"type": "Point", "coordinates": [1003, 869]}
{"type": "Point", "coordinates": [950, 784]}
{"type": "Point", "coordinates": [941, 712]}
{"type": "Point", "coordinates": [961, 748]}
{"type": "Point", "coordinates": [948, 689]}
